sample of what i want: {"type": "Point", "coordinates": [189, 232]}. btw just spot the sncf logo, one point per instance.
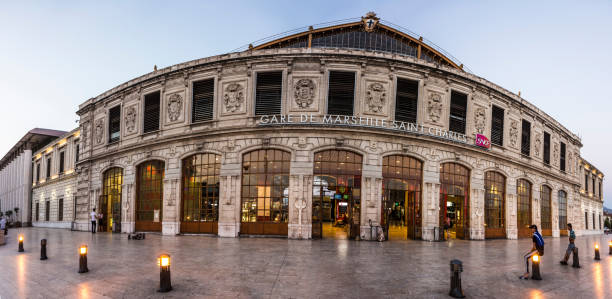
{"type": "Point", "coordinates": [482, 141]}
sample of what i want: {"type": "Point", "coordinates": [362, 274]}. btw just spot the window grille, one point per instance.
{"type": "Point", "coordinates": [526, 138]}
{"type": "Point", "coordinates": [562, 157]}
{"type": "Point", "coordinates": [497, 126]}
{"type": "Point", "coordinates": [268, 93]}
{"type": "Point", "coordinates": [341, 93]}
{"type": "Point", "coordinates": [203, 100]}
{"type": "Point", "coordinates": [406, 98]}
{"type": "Point", "coordinates": [151, 112]}
{"type": "Point", "coordinates": [547, 148]}
{"type": "Point", "coordinates": [458, 111]}
{"type": "Point", "coordinates": [114, 124]}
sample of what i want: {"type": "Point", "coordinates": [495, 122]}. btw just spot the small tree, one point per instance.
{"type": "Point", "coordinates": [607, 222]}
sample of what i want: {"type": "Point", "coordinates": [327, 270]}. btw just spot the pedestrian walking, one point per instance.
{"type": "Point", "coordinates": [571, 245]}
{"type": "Point", "coordinates": [94, 218]}
{"type": "Point", "coordinates": [3, 225]}
{"type": "Point", "coordinates": [537, 248]}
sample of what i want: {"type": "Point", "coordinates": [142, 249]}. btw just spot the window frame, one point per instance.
{"type": "Point", "coordinates": [493, 124]}
{"type": "Point", "coordinates": [456, 118]}
{"type": "Point", "coordinates": [327, 96]}
{"type": "Point", "coordinates": [193, 83]}
{"type": "Point", "coordinates": [112, 122]}
{"type": "Point", "coordinates": [144, 112]}
{"type": "Point", "coordinates": [281, 95]}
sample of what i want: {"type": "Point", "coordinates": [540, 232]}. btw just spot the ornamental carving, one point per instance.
{"type": "Point", "coordinates": [376, 97]}
{"type": "Point", "coordinates": [538, 144]}
{"type": "Point", "coordinates": [234, 97]}
{"type": "Point", "coordinates": [434, 107]}
{"type": "Point", "coordinates": [480, 119]}
{"type": "Point", "coordinates": [304, 93]}
{"type": "Point", "coordinates": [99, 130]}
{"type": "Point", "coordinates": [514, 133]}
{"type": "Point", "coordinates": [570, 167]}
{"type": "Point", "coordinates": [175, 106]}
{"type": "Point", "coordinates": [556, 153]}
{"type": "Point", "coordinates": [130, 119]}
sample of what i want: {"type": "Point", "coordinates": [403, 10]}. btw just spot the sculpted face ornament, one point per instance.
{"type": "Point", "coordinates": [233, 97]}
{"type": "Point", "coordinates": [376, 96]}
{"type": "Point", "coordinates": [304, 93]}
{"type": "Point", "coordinates": [434, 107]}
{"type": "Point", "coordinates": [99, 129]}
{"type": "Point", "coordinates": [175, 105]}
{"type": "Point", "coordinates": [480, 119]}
{"type": "Point", "coordinates": [130, 119]}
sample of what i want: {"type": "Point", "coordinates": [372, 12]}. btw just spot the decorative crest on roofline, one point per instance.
{"type": "Point", "coordinates": [370, 20]}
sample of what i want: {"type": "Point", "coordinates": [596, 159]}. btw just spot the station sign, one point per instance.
{"type": "Point", "coordinates": [482, 141]}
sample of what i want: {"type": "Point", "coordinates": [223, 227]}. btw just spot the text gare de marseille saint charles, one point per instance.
{"type": "Point", "coordinates": [360, 121]}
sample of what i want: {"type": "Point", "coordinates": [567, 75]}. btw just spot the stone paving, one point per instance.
{"type": "Point", "coordinates": [204, 266]}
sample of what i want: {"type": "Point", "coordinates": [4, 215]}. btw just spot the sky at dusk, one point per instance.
{"type": "Point", "coordinates": [54, 55]}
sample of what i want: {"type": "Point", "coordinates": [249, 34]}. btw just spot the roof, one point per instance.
{"type": "Point", "coordinates": [33, 139]}
{"type": "Point", "coordinates": [56, 141]}
{"type": "Point", "coordinates": [366, 33]}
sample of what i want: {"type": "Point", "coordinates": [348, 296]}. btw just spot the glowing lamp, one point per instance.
{"type": "Point", "coordinates": [83, 250]}
{"type": "Point", "coordinates": [163, 261]}
{"type": "Point", "coordinates": [610, 248]}
{"type": "Point", "coordinates": [535, 268]}
{"type": "Point", "coordinates": [536, 258]}
{"type": "Point", "coordinates": [597, 252]}
{"type": "Point", "coordinates": [83, 259]}
{"type": "Point", "coordinates": [20, 249]}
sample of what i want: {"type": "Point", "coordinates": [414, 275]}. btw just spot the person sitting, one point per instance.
{"type": "Point", "coordinates": [537, 248]}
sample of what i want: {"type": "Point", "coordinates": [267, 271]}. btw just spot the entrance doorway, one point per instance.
{"type": "Point", "coordinates": [149, 200]}
{"type": "Point", "coordinates": [336, 196]}
{"type": "Point", "coordinates": [401, 207]}
{"type": "Point", "coordinates": [200, 195]}
{"type": "Point", "coordinates": [110, 201]}
{"type": "Point", "coordinates": [454, 200]}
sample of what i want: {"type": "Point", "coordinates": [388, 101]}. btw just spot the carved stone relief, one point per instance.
{"type": "Point", "coordinates": [538, 144]}
{"type": "Point", "coordinates": [514, 133]}
{"type": "Point", "coordinates": [233, 98]}
{"type": "Point", "coordinates": [556, 153]}
{"type": "Point", "coordinates": [130, 119]}
{"type": "Point", "coordinates": [434, 107]}
{"type": "Point", "coordinates": [304, 93]}
{"type": "Point", "coordinates": [99, 130]}
{"type": "Point", "coordinates": [175, 107]}
{"type": "Point", "coordinates": [480, 119]}
{"type": "Point", "coordinates": [376, 97]}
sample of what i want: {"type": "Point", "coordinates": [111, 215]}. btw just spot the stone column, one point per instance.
{"type": "Point", "coordinates": [535, 206]}
{"type": "Point", "coordinates": [554, 212]}
{"type": "Point", "coordinates": [477, 206]}
{"type": "Point", "coordinates": [371, 199]}
{"type": "Point", "coordinates": [431, 199]}
{"type": "Point", "coordinates": [229, 200]}
{"type": "Point", "coordinates": [511, 206]}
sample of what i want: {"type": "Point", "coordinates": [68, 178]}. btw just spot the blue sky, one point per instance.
{"type": "Point", "coordinates": [55, 55]}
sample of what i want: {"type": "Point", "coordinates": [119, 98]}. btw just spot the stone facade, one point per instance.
{"type": "Point", "coordinates": [235, 130]}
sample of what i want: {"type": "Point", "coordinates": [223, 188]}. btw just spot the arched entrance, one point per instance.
{"type": "Point", "coordinates": [265, 192]}
{"type": "Point", "coordinates": [495, 203]}
{"type": "Point", "coordinates": [455, 199]}
{"type": "Point", "coordinates": [200, 195]}
{"type": "Point", "coordinates": [110, 201]}
{"type": "Point", "coordinates": [401, 208]}
{"type": "Point", "coordinates": [336, 195]}
{"type": "Point", "coordinates": [545, 210]}
{"type": "Point", "coordinates": [149, 196]}
{"type": "Point", "coordinates": [523, 208]}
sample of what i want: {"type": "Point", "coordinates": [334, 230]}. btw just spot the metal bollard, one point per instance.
{"type": "Point", "coordinates": [575, 258]}
{"type": "Point", "coordinates": [535, 268]}
{"type": "Point", "coordinates": [610, 248]}
{"type": "Point", "coordinates": [164, 273]}
{"type": "Point", "coordinates": [456, 267]}
{"type": "Point", "coordinates": [597, 258]}
{"type": "Point", "coordinates": [43, 249]}
{"type": "Point", "coordinates": [20, 248]}
{"type": "Point", "coordinates": [83, 259]}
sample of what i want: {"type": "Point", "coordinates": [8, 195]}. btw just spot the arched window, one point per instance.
{"type": "Point", "coordinates": [545, 210]}
{"type": "Point", "coordinates": [455, 198]}
{"type": "Point", "coordinates": [562, 210]}
{"type": "Point", "coordinates": [401, 210]}
{"type": "Point", "coordinates": [495, 203]}
{"type": "Point", "coordinates": [110, 201]}
{"type": "Point", "coordinates": [523, 207]}
{"type": "Point", "coordinates": [265, 192]}
{"type": "Point", "coordinates": [149, 198]}
{"type": "Point", "coordinates": [200, 196]}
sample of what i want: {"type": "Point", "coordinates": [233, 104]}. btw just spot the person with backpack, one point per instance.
{"type": "Point", "coordinates": [571, 245]}
{"type": "Point", "coordinates": [537, 248]}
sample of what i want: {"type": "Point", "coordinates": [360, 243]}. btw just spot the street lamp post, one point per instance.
{"type": "Point", "coordinates": [20, 239]}
{"type": "Point", "coordinates": [164, 273]}
{"type": "Point", "coordinates": [83, 259]}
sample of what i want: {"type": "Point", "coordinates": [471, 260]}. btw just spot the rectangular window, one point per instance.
{"type": "Point", "coordinates": [458, 112]}
{"type": "Point", "coordinates": [76, 154]}
{"type": "Point", "coordinates": [497, 126]}
{"type": "Point", "coordinates": [48, 167]}
{"type": "Point", "coordinates": [114, 124]}
{"type": "Point", "coordinates": [60, 209]}
{"type": "Point", "coordinates": [203, 100]}
{"type": "Point", "coordinates": [341, 93]}
{"type": "Point", "coordinates": [37, 172]}
{"type": "Point", "coordinates": [526, 138]}
{"type": "Point", "coordinates": [151, 112]}
{"type": "Point", "coordinates": [586, 220]}
{"type": "Point", "coordinates": [599, 190]}
{"type": "Point", "coordinates": [586, 183]}
{"type": "Point", "coordinates": [47, 210]}
{"type": "Point", "coordinates": [268, 93]}
{"type": "Point", "coordinates": [599, 221]}
{"type": "Point", "coordinates": [562, 157]}
{"type": "Point", "coordinates": [61, 162]}
{"type": "Point", "coordinates": [593, 186]}
{"type": "Point", "coordinates": [547, 148]}
{"type": "Point", "coordinates": [594, 227]}
{"type": "Point", "coordinates": [37, 210]}
{"type": "Point", "coordinates": [406, 98]}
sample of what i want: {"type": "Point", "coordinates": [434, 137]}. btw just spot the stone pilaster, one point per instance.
{"type": "Point", "coordinates": [229, 201]}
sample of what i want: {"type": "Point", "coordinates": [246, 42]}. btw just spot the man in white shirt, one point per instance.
{"type": "Point", "coordinates": [94, 218]}
{"type": "Point", "coordinates": [3, 225]}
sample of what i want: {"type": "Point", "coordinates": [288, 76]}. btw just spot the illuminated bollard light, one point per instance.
{"type": "Point", "coordinates": [20, 239]}
{"type": "Point", "coordinates": [597, 252]}
{"type": "Point", "coordinates": [575, 258]}
{"type": "Point", "coordinates": [83, 259]}
{"type": "Point", "coordinates": [535, 268]}
{"type": "Point", "coordinates": [456, 267]}
{"type": "Point", "coordinates": [164, 273]}
{"type": "Point", "coordinates": [610, 248]}
{"type": "Point", "coordinates": [43, 249]}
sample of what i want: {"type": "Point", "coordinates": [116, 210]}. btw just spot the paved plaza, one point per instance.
{"type": "Point", "coordinates": [204, 266]}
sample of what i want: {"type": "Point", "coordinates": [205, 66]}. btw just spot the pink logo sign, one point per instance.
{"type": "Point", "coordinates": [482, 141]}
